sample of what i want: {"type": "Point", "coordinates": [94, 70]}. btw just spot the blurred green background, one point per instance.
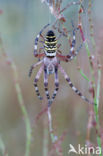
{"type": "Point", "coordinates": [20, 22]}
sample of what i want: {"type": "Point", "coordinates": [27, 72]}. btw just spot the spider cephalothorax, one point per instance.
{"type": "Point", "coordinates": [50, 63]}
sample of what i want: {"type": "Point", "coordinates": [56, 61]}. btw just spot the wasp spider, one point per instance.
{"type": "Point", "coordinates": [50, 63]}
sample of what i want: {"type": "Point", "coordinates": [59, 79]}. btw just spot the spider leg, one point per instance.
{"type": "Point", "coordinates": [36, 80]}
{"type": "Point", "coordinates": [72, 86]}
{"type": "Point", "coordinates": [41, 42]}
{"type": "Point", "coordinates": [42, 37]}
{"type": "Point", "coordinates": [68, 57]}
{"type": "Point", "coordinates": [56, 86]}
{"type": "Point", "coordinates": [58, 45]}
{"type": "Point", "coordinates": [73, 41]}
{"type": "Point", "coordinates": [61, 57]}
{"type": "Point", "coordinates": [72, 52]}
{"type": "Point", "coordinates": [37, 39]}
{"type": "Point", "coordinates": [46, 84]}
{"type": "Point", "coordinates": [33, 66]}
{"type": "Point", "coordinates": [40, 54]}
{"type": "Point", "coordinates": [40, 49]}
{"type": "Point", "coordinates": [57, 28]}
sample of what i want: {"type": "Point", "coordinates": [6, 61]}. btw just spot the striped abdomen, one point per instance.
{"type": "Point", "coordinates": [50, 44]}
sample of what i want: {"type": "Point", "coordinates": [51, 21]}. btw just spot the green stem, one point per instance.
{"type": "Point", "coordinates": [23, 109]}
{"type": "Point", "coordinates": [98, 86]}
{"type": "Point", "coordinates": [20, 98]}
{"type": "Point", "coordinates": [96, 98]}
{"type": "Point", "coordinates": [85, 77]}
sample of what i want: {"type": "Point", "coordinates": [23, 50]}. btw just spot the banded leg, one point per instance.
{"type": "Point", "coordinates": [61, 32]}
{"type": "Point", "coordinates": [36, 80]}
{"type": "Point", "coordinates": [61, 57]}
{"type": "Point", "coordinates": [72, 52]}
{"type": "Point", "coordinates": [67, 58]}
{"type": "Point", "coordinates": [56, 86]}
{"type": "Point", "coordinates": [37, 39]}
{"type": "Point", "coordinates": [41, 54]}
{"type": "Point", "coordinates": [46, 84]}
{"type": "Point", "coordinates": [40, 49]}
{"type": "Point", "coordinates": [58, 45]}
{"type": "Point", "coordinates": [33, 66]}
{"type": "Point", "coordinates": [72, 86]}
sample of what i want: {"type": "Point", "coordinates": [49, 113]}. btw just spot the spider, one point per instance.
{"type": "Point", "coordinates": [50, 63]}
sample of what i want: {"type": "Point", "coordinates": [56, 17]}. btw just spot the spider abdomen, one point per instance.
{"type": "Point", "coordinates": [50, 44]}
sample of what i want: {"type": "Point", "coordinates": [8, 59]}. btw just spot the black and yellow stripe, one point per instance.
{"type": "Point", "coordinates": [50, 44]}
